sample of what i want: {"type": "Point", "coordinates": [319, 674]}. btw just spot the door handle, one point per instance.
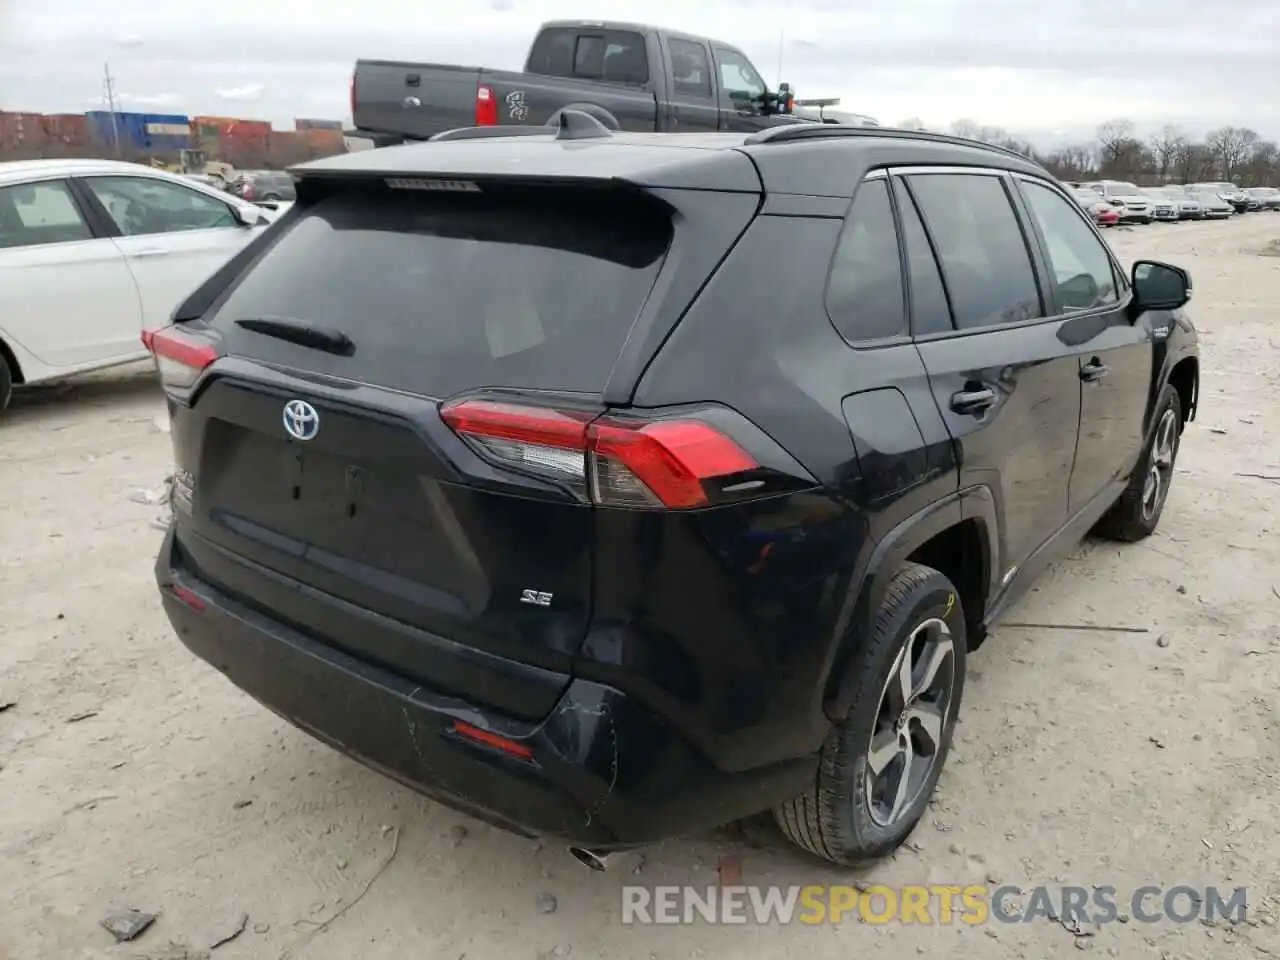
{"type": "Point", "coordinates": [1095, 369]}
{"type": "Point", "coordinates": [148, 252]}
{"type": "Point", "coordinates": [973, 402]}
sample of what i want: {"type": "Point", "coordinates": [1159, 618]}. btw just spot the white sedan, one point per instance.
{"type": "Point", "coordinates": [94, 251]}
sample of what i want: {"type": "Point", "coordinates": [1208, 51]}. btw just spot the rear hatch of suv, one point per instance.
{"type": "Point", "coordinates": [323, 474]}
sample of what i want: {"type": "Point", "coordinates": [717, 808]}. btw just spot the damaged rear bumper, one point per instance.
{"type": "Point", "coordinates": [603, 770]}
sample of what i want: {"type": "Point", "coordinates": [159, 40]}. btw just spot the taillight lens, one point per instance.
{"type": "Point", "coordinates": [179, 357]}
{"type": "Point", "coordinates": [652, 464]}
{"type": "Point", "coordinates": [486, 107]}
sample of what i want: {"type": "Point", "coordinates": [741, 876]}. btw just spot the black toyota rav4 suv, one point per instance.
{"type": "Point", "coordinates": [612, 486]}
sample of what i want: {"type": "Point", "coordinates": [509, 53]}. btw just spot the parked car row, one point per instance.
{"type": "Point", "coordinates": [1119, 201]}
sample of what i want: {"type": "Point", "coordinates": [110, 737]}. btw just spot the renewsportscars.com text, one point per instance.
{"type": "Point", "coordinates": [930, 905]}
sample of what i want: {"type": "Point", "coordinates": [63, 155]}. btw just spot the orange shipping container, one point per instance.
{"type": "Point", "coordinates": [71, 129]}
{"type": "Point", "coordinates": [21, 131]}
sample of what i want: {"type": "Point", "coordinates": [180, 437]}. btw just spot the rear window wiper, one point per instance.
{"type": "Point", "coordinates": [302, 333]}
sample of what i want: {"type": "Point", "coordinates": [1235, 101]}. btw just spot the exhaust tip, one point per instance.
{"type": "Point", "coordinates": [589, 858]}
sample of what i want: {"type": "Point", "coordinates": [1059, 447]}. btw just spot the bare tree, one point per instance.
{"type": "Point", "coordinates": [912, 123]}
{"type": "Point", "coordinates": [969, 129]}
{"type": "Point", "coordinates": [1165, 145]}
{"type": "Point", "coordinates": [1114, 138]}
{"type": "Point", "coordinates": [1229, 147]}
{"type": "Point", "coordinates": [1262, 163]}
{"type": "Point", "coordinates": [1070, 163]}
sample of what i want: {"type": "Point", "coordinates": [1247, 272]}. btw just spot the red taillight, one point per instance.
{"type": "Point", "coordinates": [484, 737]}
{"type": "Point", "coordinates": [612, 461]}
{"type": "Point", "coordinates": [486, 107]}
{"type": "Point", "coordinates": [179, 357]}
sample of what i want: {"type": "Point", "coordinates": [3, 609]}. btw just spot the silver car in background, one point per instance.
{"type": "Point", "coordinates": [1185, 207]}
{"type": "Point", "coordinates": [1268, 197]}
{"type": "Point", "coordinates": [1213, 206]}
{"type": "Point", "coordinates": [1133, 205]}
{"type": "Point", "coordinates": [1163, 206]}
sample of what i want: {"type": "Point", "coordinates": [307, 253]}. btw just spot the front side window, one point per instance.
{"type": "Point", "coordinates": [141, 206]}
{"type": "Point", "coordinates": [984, 256]}
{"type": "Point", "coordinates": [36, 214]}
{"type": "Point", "coordinates": [1082, 272]}
{"type": "Point", "coordinates": [864, 293]}
{"type": "Point", "coordinates": [739, 82]}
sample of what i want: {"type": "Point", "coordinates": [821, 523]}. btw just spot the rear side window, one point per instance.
{"type": "Point", "coordinates": [980, 244]}
{"type": "Point", "coordinates": [690, 68]}
{"type": "Point", "coordinates": [35, 214]}
{"type": "Point", "coordinates": [864, 293]}
{"type": "Point", "coordinates": [930, 311]}
{"type": "Point", "coordinates": [616, 56]}
{"type": "Point", "coordinates": [443, 292]}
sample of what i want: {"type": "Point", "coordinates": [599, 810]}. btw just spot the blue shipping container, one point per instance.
{"type": "Point", "coordinates": [140, 132]}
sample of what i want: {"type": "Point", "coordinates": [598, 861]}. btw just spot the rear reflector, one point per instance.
{"type": "Point", "coordinates": [486, 107]}
{"type": "Point", "coordinates": [611, 461]}
{"type": "Point", "coordinates": [189, 597]}
{"type": "Point", "coordinates": [485, 738]}
{"type": "Point", "coordinates": [179, 357]}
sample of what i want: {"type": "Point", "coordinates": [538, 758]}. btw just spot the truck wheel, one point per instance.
{"type": "Point", "coordinates": [1135, 515]}
{"type": "Point", "coordinates": [879, 767]}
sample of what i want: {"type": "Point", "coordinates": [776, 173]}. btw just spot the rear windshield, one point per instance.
{"type": "Point", "coordinates": [445, 292]}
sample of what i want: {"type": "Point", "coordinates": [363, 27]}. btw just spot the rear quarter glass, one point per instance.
{"type": "Point", "coordinates": [442, 293]}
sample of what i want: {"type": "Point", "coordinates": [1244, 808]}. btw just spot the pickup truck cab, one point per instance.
{"type": "Point", "coordinates": [628, 76]}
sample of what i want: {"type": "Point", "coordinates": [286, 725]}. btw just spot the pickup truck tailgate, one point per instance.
{"type": "Point", "coordinates": [413, 99]}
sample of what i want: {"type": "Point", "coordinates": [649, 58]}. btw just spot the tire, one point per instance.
{"type": "Point", "coordinates": [6, 384]}
{"type": "Point", "coordinates": [1135, 515]}
{"type": "Point", "coordinates": [834, 818]}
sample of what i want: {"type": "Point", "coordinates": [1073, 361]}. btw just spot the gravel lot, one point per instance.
{"type": "Point", "coordinates": [132, 775]}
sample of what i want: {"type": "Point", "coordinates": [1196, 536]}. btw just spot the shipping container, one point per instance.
{"type": "Point", "coordinates": [324, 142]}
{"type": "Point", "coordinates": [149, 133]}
{"type": "Point", "coordinates": [21, 132]}
{"type": "Point", "coordinates": [68, 129]}
{"type": "Point", "coordinates": [302, 125]}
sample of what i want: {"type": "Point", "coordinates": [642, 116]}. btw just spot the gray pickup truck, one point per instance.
{"type": "Point", "coordinates": [629, 76]}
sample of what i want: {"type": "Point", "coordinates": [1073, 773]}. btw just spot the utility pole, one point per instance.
{"type": "Point", "coordinates": [108, 85]}
{"type": "Point", "coordinates": [782, 39]}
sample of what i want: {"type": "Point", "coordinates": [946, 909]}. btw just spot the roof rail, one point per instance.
{"type": "Point", "coordinates": [789, 133]}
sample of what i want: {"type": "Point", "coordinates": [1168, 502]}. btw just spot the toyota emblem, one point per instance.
{"type": "Point", "coordinates": [301, 420]}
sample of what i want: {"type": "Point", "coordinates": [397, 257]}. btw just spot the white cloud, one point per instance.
{"type": "Point", "coordinates": [149, 99]}
{"type": "Point", "coordinates": [249, 91]}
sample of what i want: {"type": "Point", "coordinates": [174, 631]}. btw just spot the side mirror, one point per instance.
{"type": "Point", "coordinates": [1159, 286]}
{"type": "Point", "coordinates": [247, 216]}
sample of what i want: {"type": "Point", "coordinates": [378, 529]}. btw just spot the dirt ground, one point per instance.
{"type": "Point", "coordinates": [1082, 757]}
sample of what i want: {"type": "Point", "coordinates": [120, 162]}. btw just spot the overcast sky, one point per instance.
{"type": "Point", "coordinates": [1050, 71]}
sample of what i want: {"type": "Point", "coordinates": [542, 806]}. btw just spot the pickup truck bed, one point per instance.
{"type": "Point", "coordinates": [419, 100]}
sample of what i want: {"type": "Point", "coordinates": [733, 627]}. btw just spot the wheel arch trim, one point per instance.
{"type": "Point", "coordinates": [869, 584]}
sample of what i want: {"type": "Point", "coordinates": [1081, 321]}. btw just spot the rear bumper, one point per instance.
{"type": "Point", "coordinates": [606, 772]}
